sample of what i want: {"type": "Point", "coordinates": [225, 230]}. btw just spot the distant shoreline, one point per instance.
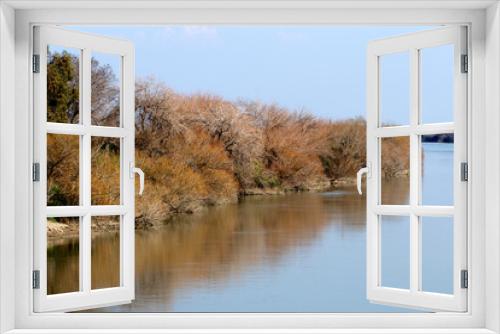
{"type": "Point", "coordinates": [446, 138]}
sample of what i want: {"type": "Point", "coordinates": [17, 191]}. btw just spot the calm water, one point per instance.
{"type": "Point", "coordinates": [291, 253]}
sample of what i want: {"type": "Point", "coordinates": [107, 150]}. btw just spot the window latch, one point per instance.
{"type": "Point", "coordinates": [365, 170]}
{"type": "Point", "coordinates": [134, 170]}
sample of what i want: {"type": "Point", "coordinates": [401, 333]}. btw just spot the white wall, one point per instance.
{"type": "Point", "coordinates": [492, 212]}
{"type": "Point", "coordinates": [7, 113]}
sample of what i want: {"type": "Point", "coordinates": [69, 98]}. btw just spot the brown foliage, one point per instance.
{"type": "Point", "coordinates": [228, 125]}
{"type": "Point", "coordinates": [202, 149]}
{"type": "Point", "coordinates": [105, 97]}
{"type": "Point", "coordinates": [195, 174]}
{"type": "Point", "coordinates": [156, 121]}
{"type": "Point", "coordinates": [395, 156]}
{"type": "Point", "coordinates": [291, 143]}
{"type": "Point", "coordinates": [105, 171]}
{"type": "Point", "coordinates": [345, 153]}
{"type": "Point", "coordinates": [63, 170]}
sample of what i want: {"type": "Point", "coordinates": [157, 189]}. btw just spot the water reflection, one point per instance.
{"type": "Point", "coordinates": [291, 253]}
{"type": "Point", "coordinates": [227, 246]}
{"type": "Point", "coordinates": [62, 265]}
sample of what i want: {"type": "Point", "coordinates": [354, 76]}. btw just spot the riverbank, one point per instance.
{"type": "Point", "coordinates": [61, 230]}
{"type": "Point", "coordinates": [317, 186]}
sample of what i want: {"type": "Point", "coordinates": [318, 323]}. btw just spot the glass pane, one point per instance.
{"type": "Point", "coordinates": [63, 161]}
{"type": "Point", "coordinates": [436, 84]}
{"type": "Point", "coordinates": [394, 104]}
{"type": "Point", "coordinates": [105, 252]}
{"type": "Point", "coordinates": [63, 84]}
{"type": "Point", "coordinates": [437, 169]}
{"type": "Point", "coordinates": [395, 251]}
{"type": "Point", "coordinates": [63, 260]}
{"type": "Point", "coordinates": [395, 165]}
{"type": "Point", "coordinates": [437, 254]}
{"type": "Point", "coordinates": [106, 78]}
{"type": "Point", "coordinates": [105, 171]}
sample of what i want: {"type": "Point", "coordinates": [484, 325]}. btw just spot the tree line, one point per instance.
{"type": "Point", "coordinates": [199, 149]}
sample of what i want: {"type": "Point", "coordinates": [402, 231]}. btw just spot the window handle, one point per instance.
{"type": "Point", "coordinates": [365, 170]}
{"type": "Point", "coordinates": [138, 171]}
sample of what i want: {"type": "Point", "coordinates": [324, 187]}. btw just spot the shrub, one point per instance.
{"type": "Point", "coordinates": [200, 149]}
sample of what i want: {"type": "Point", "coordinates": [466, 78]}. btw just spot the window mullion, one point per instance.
{"type": "Point", "coordinates": [414, 172]}
{"type": "Point", "coordinates": [437, 128]}
{"type": "Point", "coordinates": [85, 165]}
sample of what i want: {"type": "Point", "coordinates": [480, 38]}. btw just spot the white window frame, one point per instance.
{"type": "Point", "coordinates": [412, 44]}
{"type": "Point", "coordinates": [87, 44]}
{"type": "Point", "coordinates": [16, 20]}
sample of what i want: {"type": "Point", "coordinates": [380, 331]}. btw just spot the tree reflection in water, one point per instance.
{"type": "Point", "coordinates": [232, 245]}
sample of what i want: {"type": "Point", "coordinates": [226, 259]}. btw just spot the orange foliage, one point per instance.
{"type": "Point", "coordinates": [63, 170]}
{"type": "Point", "coordinates": [105, 171]}
{"type": "Point", "coordinates": [202, 150]}
{"type": "Point", "coordinates": [395, 156]}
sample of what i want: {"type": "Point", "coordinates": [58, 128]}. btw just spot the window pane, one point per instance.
{"type": "Point", "coordinates": [395, 165]}
{"type": "Point", "coordinates": [105, 171]}
{"type": "Point", "coordinates": [105, 252]}
{"type": "Point", "coordinates": [63, 84]}
{"type": "Point", "coordinates": [394, 93]}
{"type": "Point", "coordinates": [63, 160]}
{"type": "Point", "coordinates": [436, 84]}
{"type": "Point", "coordinates": [437, 169]}
{"type": "Point", "coordinates": [437, 254]}
{"type": "Point", "coordinates": [395, 251]}
{"type": "Point", "coordinates": [63, 260]}
{"type": "Point", "coordinates": [106, 78]}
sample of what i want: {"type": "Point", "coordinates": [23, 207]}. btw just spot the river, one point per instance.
{"type": "Point", "coordinates": [300, 252]}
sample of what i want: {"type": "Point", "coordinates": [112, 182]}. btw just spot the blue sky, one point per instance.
{"type": "Point", "coordinates": [320, 69]}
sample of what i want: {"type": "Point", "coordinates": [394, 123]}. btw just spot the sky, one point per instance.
{"type": "Point", "coordinates": [319, 69]}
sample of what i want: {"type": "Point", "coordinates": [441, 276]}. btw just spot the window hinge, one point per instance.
{"type": "Point", "coordinates": [36, 279]}
{"type": "Point", "coordinates": [464, 279]}
{"type": "Point", "coordinates": [36, 63]}
{"type": "Point", "coordinates": [465, 63]}
{"type": "Point", "coordinates": [36, 172]}
{"type": "Point", "coordinates": [464, 171]}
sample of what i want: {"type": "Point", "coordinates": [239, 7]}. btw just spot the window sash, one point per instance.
{"type": "Point", "coordinates": [414, 297]}
{"type": "Point", "coordinates": [86, 297]}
